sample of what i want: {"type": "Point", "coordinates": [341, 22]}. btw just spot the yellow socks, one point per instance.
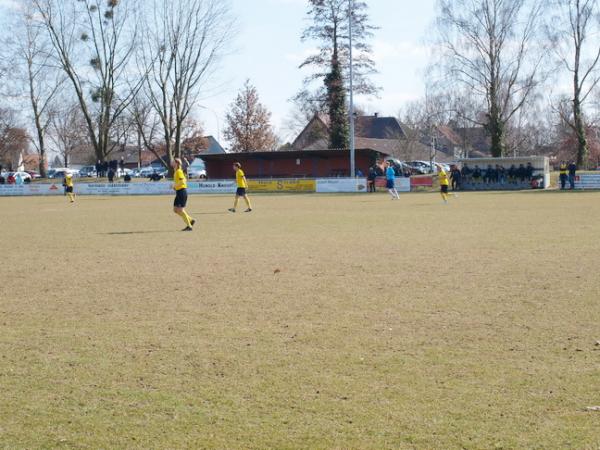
{"type": "Point", "coordinates": [185, 218]}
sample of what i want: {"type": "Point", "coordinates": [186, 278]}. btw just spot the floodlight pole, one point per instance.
{"type": "Point", "coordinates": [351, 112]}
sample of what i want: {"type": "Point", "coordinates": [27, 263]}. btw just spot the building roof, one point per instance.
{"type": "Point", "coordinates": [375, 127]}
{"type": "Point", "coordinates": [212, 147]}
{"type": "Point", "coordinates": [315, 135]}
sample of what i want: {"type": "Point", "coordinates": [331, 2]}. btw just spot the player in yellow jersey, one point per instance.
{"type": "Point", "coordinates": [443, 177]}
{"type": "Point", "coordinates": [68, 184]}
{"type": "Point", "coordinates": [242, 185]}
{"type": "Point", "coordinates": [180, 187]}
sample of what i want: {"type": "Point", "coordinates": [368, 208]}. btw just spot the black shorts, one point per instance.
{"type": "Point", "coordinates": [389, 184]}
{"type": "Point", "coordinates": [444, 188]}
{"type": "Point", "coordinates": [240, 192]}
{"type": "Point", "coordinates": [69, 189]}
{"type": "Point", "coordinates": [180, 198]}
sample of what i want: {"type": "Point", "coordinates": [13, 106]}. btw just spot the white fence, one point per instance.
{"type": "Point", "coordinates": [587, 181]}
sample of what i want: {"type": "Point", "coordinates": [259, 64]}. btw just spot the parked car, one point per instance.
{"type": "Point", "coordinates": [123, 172]}
{"type": "Point", "coordinates": [145, 172]}
{"type": "Point", "coordinates": [400, 167]}
{"type": "Point", "coordinates": [59, 172]}
{"type": "Point", "coordinates": [88, 172]}
{"type": "Point", "coordinates": [34, 175]}
{"type": "Point", "coordinates": [196, 172]}
{"type": "Point", "coordinates": [419, 167]}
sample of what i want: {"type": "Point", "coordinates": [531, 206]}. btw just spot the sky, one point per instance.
{"type": "Point", "coordinates": [268, 51]}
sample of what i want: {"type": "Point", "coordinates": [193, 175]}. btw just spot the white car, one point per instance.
{"type": "Point", "coordinates": [196, 172]}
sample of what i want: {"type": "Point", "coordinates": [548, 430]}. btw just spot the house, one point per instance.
{"type": "Point", "coordinates": [382, 134]}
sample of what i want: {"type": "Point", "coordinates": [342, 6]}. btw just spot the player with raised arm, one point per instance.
{"type": "Point", "coordinates": [443, 178]}
{"type": "Point", "coordinates": [180, 187]}
{"type": "Point", "coordinates": [68, 184]}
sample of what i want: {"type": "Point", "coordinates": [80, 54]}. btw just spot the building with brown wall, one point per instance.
{"type": "Point", "coordinates": [291, 164]}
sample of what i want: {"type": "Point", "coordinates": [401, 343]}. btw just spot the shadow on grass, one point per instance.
{"type": "Point", "coordinates": [126, 233]}
{"type": "Point", "coordinates": [215, 213]}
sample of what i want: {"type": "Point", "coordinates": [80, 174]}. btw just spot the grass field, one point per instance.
{"type": "Point", "coordinates": [313, 322]}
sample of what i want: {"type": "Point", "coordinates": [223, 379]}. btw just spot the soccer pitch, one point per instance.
{"type": "Point", "coordinates": [313, 322]}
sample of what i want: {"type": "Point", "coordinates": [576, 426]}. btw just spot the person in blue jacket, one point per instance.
{"type": "Point", "coordinates": [390, 175]}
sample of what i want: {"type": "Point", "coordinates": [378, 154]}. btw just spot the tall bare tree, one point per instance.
{"type": "Point", "coordinates": [68, 132]}
{"type": "Point", "coordinates": [487, 47]}
{"type": "Point", "coordinates": [36, 78]}
{"type": "Point", "coordinates": [574, 32]}
{"type": "Point", "coordinates": [94, 43]}
{"type": "Point", "coordinates": [183, 42]}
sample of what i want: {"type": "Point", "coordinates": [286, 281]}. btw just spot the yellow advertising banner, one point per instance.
{"type": "Point", "coordinates": [291, 185]}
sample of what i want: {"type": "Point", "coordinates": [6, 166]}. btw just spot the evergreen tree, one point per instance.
{"type": "Point", "coordinates": [330, 27]}
{"type": "Point", "coordinates": [336, 101]}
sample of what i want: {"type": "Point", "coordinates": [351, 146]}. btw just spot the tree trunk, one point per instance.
{"type": "Point", "coordinates": [582, 144]}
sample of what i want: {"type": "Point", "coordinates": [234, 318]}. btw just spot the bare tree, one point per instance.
{"type": "Point", "coordinates": [37, 79]}
{"type": "Point", "coordinates": [13, 139]}
{"type": "Point", "coordinates": [69, 134]}
{"type": "Point", "coordinates": [183, 42]}
{"type": "Point", "coordinates": [574, 33]}
{"type": "Point", "coordinates": [487, 47]}
{"type": "Point", "coordinates": [94, 44]}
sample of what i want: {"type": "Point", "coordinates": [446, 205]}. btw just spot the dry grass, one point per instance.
{"type": "Point", "coordinates": [314, 322]}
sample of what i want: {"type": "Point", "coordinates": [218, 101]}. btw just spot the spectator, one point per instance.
{"type": "Point", "coordinates": [476, 174]}
{"type": "Point", "coordinates": [572, 174]}
{"type": "Point", "coordinates": [512, 174]}
{"type": "Point", "coordinates": [2, 180]}
{"type": "Point", "coordinates": [521, 173]}
{"type": "Point", "coordinates": [529, 171]}
{"type": "Point", "coordinates": [563, 171]}
{"type": "Point", "coordinates": [466, 173]}
{"type": "Point", "coordinates": [155, 177]}
{"type": "Point", "coordinates": [489, 174]}
{"type": "Point", "coordinates": [501, 171]}
{"type": "Point", "coordinates": [456, 176]}
{"type": "Point", "coordinates": [127, 178]}
{"type": "Point", "coordinates": [98, 168]}
{"type": "Point", "coordinates": [104, 168]}
{"type": "Point", "coordinates": [359, 173]}
{"type": "Point", "coordinates": [122, 164]}
{"type": "Point", "coordinates": [371, 179]}
{"type": "Point", "coordinates": [18, 178]}
{"type": "Point", "coordinates": [111, 175]}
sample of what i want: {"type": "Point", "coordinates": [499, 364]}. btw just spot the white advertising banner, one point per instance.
{"type": "Point", "coordinates": [335, 185]}
{"type": "Point", "coordinates": [147, 188]}
{"type": "Point", "coordinates": [402, 184]}
{"type": "Point", "coordinates": [212, 187]}
{"type": "Point", "coordinates": [14, 190]}
{"type": "Point", "coordinates": [587, 181]}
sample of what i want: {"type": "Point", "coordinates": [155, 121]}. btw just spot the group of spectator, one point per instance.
{"type": "Point", "coordinates": [109, 169]}
{"type": "Point", "coordinates": [567, 172]}
{"type": "Point", "coordinates": [493, 174]}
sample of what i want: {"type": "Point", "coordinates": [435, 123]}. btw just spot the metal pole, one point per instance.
{"type": "Point", "coordinates": [352, 143]}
